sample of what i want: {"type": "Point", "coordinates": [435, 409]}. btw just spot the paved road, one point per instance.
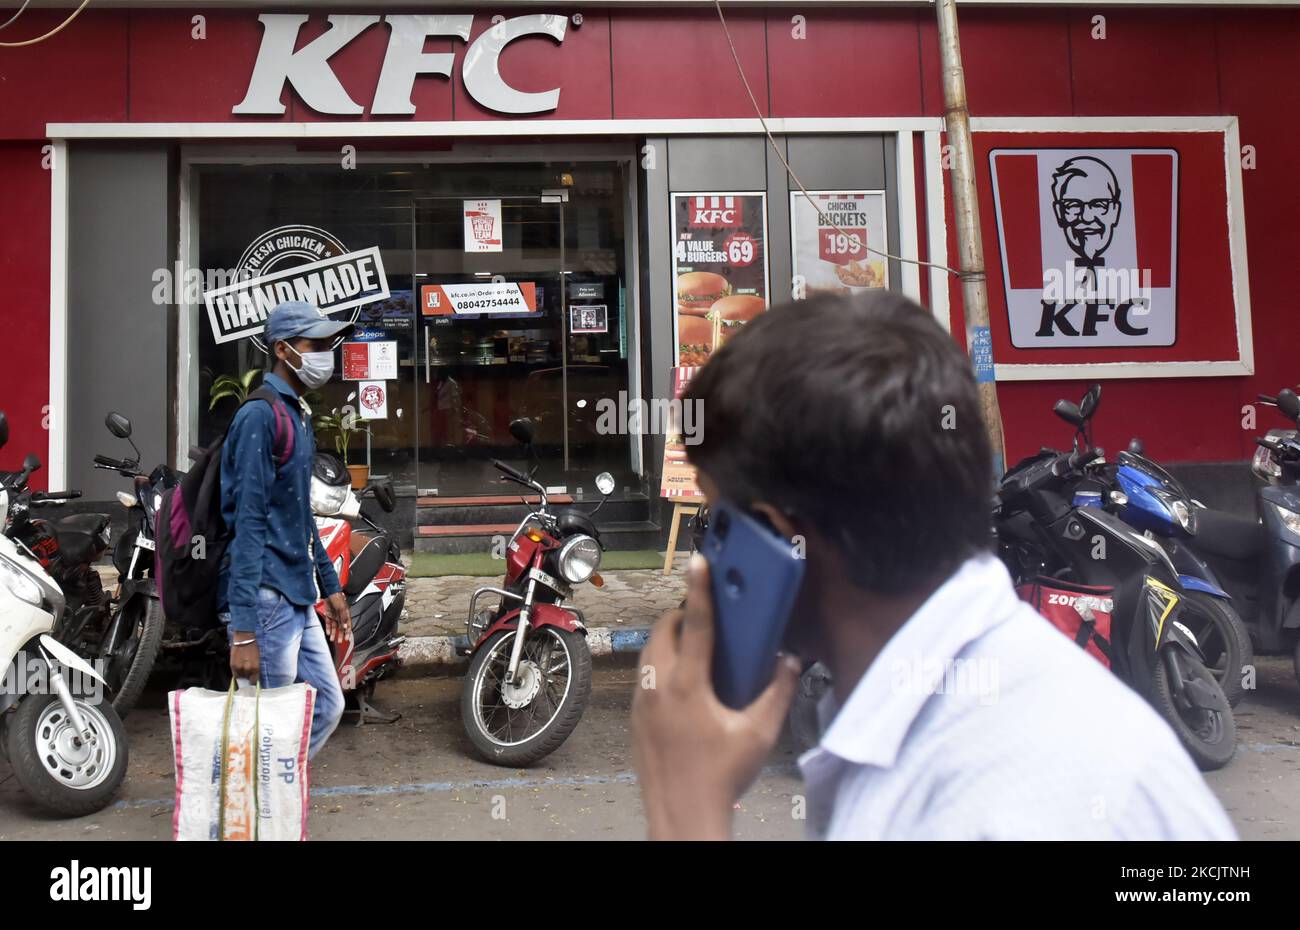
{"type": "Point", "coordinates": [417, 780]}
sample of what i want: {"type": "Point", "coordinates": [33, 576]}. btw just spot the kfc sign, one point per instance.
{"type": "Point", "coordinates": [307, 68]}
{"type": "Point", "coordinates": [1089, 245]}
{"type": "Point", "coordinates": [716, 211]}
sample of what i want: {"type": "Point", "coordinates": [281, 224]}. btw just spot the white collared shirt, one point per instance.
{"type": "Point", "coordinates": [978, 720]}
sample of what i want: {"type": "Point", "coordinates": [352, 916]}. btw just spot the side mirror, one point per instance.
{"type": "Point", "coordinates": [1288, 403]}
{"type": "Point", "coordinates": [4, 428]}
{"type": "Point", "coordinates": [118, 425]}
{"type": "Point", "coordinates": [605, 484]}
{"type": "Point", "coordinates": [31, 462]}
{"type": "Point", "coordinates": [1068, 412]}
{"type": "Point", "coordinates": [1088, 406]}
{"type": "Point", "coordinates": [522, 430]}
{"type": "Point", "coordinates": [1136, 447]}
{"type": "Point", "coordinates": [385, 497]}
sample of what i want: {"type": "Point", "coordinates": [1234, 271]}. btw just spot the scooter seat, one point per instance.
{"type": "Point", "coordinates": [1228, 535]}
{"type": "Point", "coordinates": [90, 523]}
{"type": "Point", "coordinates": [366, 562]}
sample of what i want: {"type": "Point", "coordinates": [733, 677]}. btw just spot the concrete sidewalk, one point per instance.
{"type": "Point", "coordinates": [619, 615]}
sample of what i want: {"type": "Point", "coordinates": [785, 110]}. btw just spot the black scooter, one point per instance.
{"type": "Point", "coordinates": [1042, 534]}
{"type": "Point", "coordinates": [1258, 561]}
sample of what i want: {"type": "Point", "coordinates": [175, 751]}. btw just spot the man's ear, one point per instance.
{"type": "Point", "coordinates": [780, 520]}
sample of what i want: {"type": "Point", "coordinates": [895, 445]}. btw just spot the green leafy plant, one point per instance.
{"type": "Point", "coordinates": [345, 426]}
{"type": "Point", "coordinates": [237, 387]}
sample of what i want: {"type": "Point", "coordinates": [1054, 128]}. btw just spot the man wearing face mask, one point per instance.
{"type": "Point", "coordinates": [276, 568]}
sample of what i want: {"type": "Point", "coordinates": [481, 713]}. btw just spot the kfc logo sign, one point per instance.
{"type": "Point", "coordinates": [307, 68]}
{"type": "Point", "coordinates": [1089, 245]}
{"type": "Point", "coordinates": [716, 212]}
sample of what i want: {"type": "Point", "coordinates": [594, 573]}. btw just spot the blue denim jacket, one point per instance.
{"type": "Point", "coordinates": [275, 544]}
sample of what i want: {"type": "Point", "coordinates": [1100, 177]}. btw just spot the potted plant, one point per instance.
{"type": "Point", "coordinates": [236, 386]}
{"type": "Point", "coordinates": [345, 427]}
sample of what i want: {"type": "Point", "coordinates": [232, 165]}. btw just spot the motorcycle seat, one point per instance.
{"type": "Point", "coordinates": [367, 560]}
{"type": "Point", "coordinates": [1229, 536]}
{"type": "Point", "coordinates": [89, 523]}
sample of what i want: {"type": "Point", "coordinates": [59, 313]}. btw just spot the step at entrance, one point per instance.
{"type": "Point", "coordinates": [469, 524]}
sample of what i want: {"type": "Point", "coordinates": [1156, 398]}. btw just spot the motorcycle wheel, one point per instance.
{"type": "Point", "coordinates": [1295, 660]}
{"type": "Point", "coordinates": [1223, 638]}
{"type": "Point", "coordinates": [131, 663]}
{"type": "Point", "coordinates": [517, 725]}
{"type": "Point", "coordinates": [53, 765]}
{"type": "Point", "coordinates": [1197, 710]}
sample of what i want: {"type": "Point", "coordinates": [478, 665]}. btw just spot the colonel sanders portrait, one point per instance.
{"type": "Point", "coordinates": [1086, 201]}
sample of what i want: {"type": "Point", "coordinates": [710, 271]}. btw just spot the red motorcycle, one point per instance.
{"type": "Point", "coordinates": [530, 677]}
{"type": "Point", "coordinates": [370, 570]}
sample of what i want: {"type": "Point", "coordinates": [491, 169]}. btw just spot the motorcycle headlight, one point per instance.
{"type": "Point", "coordinates": [1180, 510]}
{"type": "Point", "coordinates": [327, 499]}
{"type": "Point", "coordinates": [19, 583]}
{"type": "Point", "coordinates": [579, 559]}
{"type": "Point", "coordinates": [1290, 519]}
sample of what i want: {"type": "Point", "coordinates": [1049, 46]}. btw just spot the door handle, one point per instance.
{"type": "Point", "coordinates": [426, 353]}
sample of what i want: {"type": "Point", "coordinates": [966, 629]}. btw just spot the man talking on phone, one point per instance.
{"type": "Point", "coordinates": [854, 426]}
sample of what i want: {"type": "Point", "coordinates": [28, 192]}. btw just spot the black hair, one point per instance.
{"type": "Point", "coordinates": [860, 417]}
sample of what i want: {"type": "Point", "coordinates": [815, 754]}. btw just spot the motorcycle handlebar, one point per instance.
{"type": "Point", "coordinates": [41, 496]}
{"type": "Point", "coordinates": [511, 473]}
{"type": "Point", "coordinates": [1268, 399]}
{"type": "Point", "coordinates": [107, 462]}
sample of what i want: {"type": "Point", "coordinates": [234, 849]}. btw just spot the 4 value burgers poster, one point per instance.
{"type": "Point", "coordinates": [719, 268]}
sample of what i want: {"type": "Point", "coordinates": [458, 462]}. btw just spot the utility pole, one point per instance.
{"type": "Point", "coordinates": [974, 291]}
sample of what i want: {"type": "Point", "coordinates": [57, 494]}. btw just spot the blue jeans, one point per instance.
{"type": "Point", "coordinates": [292, 646]}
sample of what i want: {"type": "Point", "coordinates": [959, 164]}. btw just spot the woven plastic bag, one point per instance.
{"type": "Point", "coordinates": [241, 762]}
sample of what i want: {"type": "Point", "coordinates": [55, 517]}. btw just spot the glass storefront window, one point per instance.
{"type": "Point", "coordinates": [460, 378]}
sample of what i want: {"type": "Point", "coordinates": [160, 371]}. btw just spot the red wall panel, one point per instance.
{"type": "Point", "coordinates": [78, 75]}
{"type": "Point", "coordinates": [678, 64]}
{"type": "Point", "coordinates": [175, 76]}
{"type": "Point", "coordinates": [1150, 62]}
{"type": "Point", "coordinates": [25, 309]}
{"type": "Point", "coordinates": [845, 65]}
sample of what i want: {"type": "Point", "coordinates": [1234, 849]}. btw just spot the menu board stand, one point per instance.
{"type": "Point", "coordinates": [679, 511]}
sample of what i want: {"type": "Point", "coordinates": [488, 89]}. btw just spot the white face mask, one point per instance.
{"type": "Point", "coordinates": [317, 367]}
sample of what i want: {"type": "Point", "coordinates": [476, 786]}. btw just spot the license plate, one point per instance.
{"type": "Point", "coordinates": [144, 543]}
{"type": "Point", "coordinates": [540, 576]}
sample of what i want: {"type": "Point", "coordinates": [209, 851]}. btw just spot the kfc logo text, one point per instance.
{"type": "Point", "coordinates": [307, 68]}
{"type": "Point", "coordinates": [716, 211]}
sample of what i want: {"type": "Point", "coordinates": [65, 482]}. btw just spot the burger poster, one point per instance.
{"type": "Point", "coordinates": [719, 269]}
{"type": "Point", "coordinates": [830, 233]}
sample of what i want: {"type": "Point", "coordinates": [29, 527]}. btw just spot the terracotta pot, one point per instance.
{"type": "Point", "coordinates": [360, 475]}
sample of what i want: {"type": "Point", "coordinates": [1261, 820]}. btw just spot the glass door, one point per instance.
{"type": "Point", "coordinates": [492, 339]}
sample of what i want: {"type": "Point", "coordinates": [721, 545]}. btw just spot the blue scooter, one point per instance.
{"type": "Point", "coordinates": [1155, 503]}
{"type": "Point", "coordinates": [1258, 561]}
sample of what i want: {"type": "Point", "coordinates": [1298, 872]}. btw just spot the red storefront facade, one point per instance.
{"type": "Point", "coordinates": [117, 77]}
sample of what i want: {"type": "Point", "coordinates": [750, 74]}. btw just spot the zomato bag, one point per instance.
{"type": "Point", "coordinates": [241, 762]}
{"type": "Point", "coordinates": [1082, 612]}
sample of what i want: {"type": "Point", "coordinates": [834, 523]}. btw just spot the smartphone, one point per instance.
{"type": "Point", "coordinates": [754, 576]}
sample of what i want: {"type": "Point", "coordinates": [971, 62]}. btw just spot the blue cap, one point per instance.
{"type": "Point", "coordinates": [297, 319]}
